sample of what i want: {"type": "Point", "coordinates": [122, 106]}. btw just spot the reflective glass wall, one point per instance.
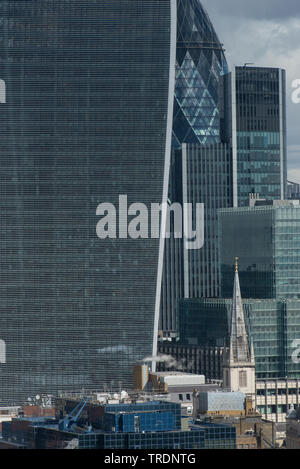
{"type": "Point", "coordinates": [266, 239]}
{"type": "Point", "coordinates": [200, 62]}
{"type": "Point", "coordinates": [84, 121]}
{"type": "Point", "coordinates": [247, 233]}
{"type": "Point", "coordinates": [253, 118]}
{"type": "Point", "coordinates": [272, 325]}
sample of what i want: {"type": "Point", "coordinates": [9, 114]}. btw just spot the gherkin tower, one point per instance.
{"type": "Point", "coordinates": [200, 62]}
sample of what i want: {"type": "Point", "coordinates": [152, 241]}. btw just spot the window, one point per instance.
{"type": "Point", "coordinates": [243, 379]}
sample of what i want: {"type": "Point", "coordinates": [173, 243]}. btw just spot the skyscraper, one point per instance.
{"type": "Point", "coordinates": [272, 324]}
{"type": "Point", "coordinates": [253, 121]}
{"type": "Point", "coordinates": [266, 238]}
{"type": "Point", "coordinates": [248, 159]}
{"type": "Point", "coordinates": [200, 63]}
{"type": "Point", "coordinates": [87, 117]}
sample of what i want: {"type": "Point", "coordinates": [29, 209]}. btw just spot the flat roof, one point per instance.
{"type": "Point", "coordinates": [174, 373]}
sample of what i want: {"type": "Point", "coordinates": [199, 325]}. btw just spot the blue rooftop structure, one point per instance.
{"type": "Point", "coordinates": [149, 425]}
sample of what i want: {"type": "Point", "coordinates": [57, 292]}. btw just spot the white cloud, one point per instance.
{"type": "Point", "coordinates": [260, 9]}
{"type": "Point", "coordinates": [265, 42]}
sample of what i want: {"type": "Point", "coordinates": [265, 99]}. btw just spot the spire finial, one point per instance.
{"type": "Point", "coordinates": [236, 264]}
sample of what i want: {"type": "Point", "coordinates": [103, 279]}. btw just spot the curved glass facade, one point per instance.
{"type": "Point", "coordinates": [84, 121]}
{"type": "Point", "coordinates": [199, 64]}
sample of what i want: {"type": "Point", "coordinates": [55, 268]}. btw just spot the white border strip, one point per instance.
{"type": "Point", "coordinates": [282, 195]}
{"type": "Point", "coordinates": [185, 200]}
{"type": "Point", "coordinates": [234, 137]}
{"type": "Point", "coordinates": [173, 43]}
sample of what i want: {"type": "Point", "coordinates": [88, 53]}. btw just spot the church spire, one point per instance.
{"type": "Point", "coordinates": [238, 337]}
{"type": "Point", "coordinates": [236, 264]}
{"type": "Point", "coordinates": [239, 361]}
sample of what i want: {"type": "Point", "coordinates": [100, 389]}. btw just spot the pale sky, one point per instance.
{"type": "Point", "coordinates": [266, 32]}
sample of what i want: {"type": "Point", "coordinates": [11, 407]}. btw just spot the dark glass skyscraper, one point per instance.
{"type": "Point", "coordinates": [266, 238]}
{"type": "Point", "coordinates": [202, 175]}
{"type": "Point", "coordinates": [273, 325]}
{"type": "Point", "coordinates": [207, 180]}
{"type": "Point", "coordinates": [88, 117]}
{"type": "Point", "coordinates": [253, 117]}
{"type": "Point", "coordinates": [240, 148]}
{"type": "Point", "coordinates": [200, 61]}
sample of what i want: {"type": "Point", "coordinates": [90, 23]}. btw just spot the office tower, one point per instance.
{"type": "Point", "coordinates": [253, 121]}
{"type": "Point", "coordinates": [200, 63]}
{"type": "Point", "coordinates": [273, 326]}
{"type": "Point", "coordinates": [173, 278]}
{"type": "Point", "coordinates": [199, 173]}
{"type": "Point", "coordinates": [253, 147]}
{"type": "Point", "coordinates": [266, 239]}
{"type": "Point", "coordinates": [197, 359]}
{"type": "Point", "coordinates": [202, 175]}
{"type": "Point", "coordinates": [87, 117]}
{"type": "Point", "coordinates": [206, 179]}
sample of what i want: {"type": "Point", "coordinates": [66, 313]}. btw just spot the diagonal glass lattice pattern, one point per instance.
{"type": "Point", "coordinates": [199, 65]}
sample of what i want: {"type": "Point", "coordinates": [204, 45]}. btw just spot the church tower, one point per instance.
{"type": "Point", "coordinates": [239, 364]}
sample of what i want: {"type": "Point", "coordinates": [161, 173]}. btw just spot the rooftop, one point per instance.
{"type": "Point", "coordinates": [174, 373]}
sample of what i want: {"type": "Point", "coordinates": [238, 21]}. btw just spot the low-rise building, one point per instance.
{"type": "Point", "coordinates": [146, 425]}
{"type": "Point", "coordinates": [173, 386]}
{"type": "Point", "coordinates": [7, 413]}
{"type": "Point", "coordinates": [293, 429]}
{"type": "Point", "coordinates": [274, 397]}
{"type": "Point", "coordinates": [196, 359]}
{"type": "Point", "coordinates": [215, 403]}
{"type": "Point", "coordinates": [235, 408]}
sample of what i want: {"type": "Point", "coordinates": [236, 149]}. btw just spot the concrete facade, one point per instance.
{"type": "Point", "coordinates": [275, 397]}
